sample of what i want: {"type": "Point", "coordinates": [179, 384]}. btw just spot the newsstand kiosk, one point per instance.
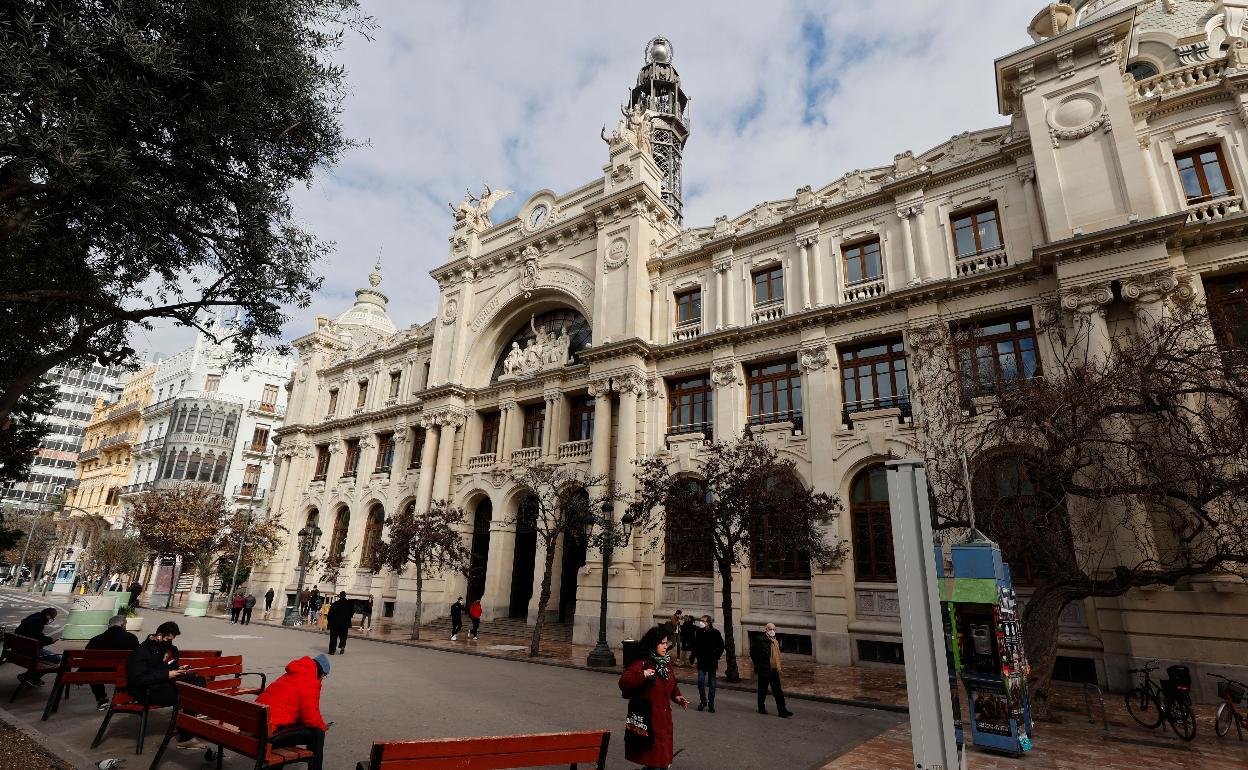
{"type": "Point", "coordinates": [984, 645]}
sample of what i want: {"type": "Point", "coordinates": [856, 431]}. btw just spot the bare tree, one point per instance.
{"type": "Point", "coordinates": [115, 551]}
{"type": "Point", "coordinates": [1125, 465]}
{"type": "Point", "coordinates": [748, 499]}
{"type": "Point", "coordinates": [432, 542]}
{"type": "Point", "coordinates": [560, 503]}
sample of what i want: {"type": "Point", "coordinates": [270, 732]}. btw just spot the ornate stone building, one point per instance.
{"type": "Point", "coordinates": [594, 328]}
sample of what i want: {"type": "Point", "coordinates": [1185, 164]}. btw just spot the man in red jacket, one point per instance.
{"type": "Point", "coordinates": [294, 702]}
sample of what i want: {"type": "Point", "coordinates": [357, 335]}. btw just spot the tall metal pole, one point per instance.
{"type": "Point", "coordinates": [26, 549]}
{"type": "Point", "coordinates": [241, 541]}
{"type": "Point", "coordinates": [601, 655]}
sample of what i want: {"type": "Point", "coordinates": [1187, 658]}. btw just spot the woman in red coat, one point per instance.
{"type": "Point", "coordinates": [650, 679]}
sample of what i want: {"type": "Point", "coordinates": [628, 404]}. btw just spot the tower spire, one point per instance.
{"type": "Point", "coordinates": [658, 90]}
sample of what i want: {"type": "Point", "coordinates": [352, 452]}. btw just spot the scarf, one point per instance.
{"type": "Point", "coordinates": [660, 665]}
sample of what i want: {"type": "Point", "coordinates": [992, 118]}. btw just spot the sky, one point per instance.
{"type": "Point", "coordinates": [784, 93]}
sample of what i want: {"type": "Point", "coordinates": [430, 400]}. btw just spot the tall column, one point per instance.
{"type": "Point", "coordinates": [629, 388]}
{"type": "Point", "coordinates": [907, 244]}
{"type": "Point", "coordinates": [550, 441]}
{"type": "Point", "coordinates": [428, 458]}
{"type": "Point", "coordinates": [720, 299]}
{"type": "Point", "coordinates": [803, 259]}
{"type": "Point", "coordinates": [731, 311]}
{"type": "Point", "coordinates": [451, 422]}
{"type": "Point", "coordinates": [1089, 304]}
{"type": "Point", "coordinates": [600, 449]}
{"type": "Point", "coordinates": [1028, 176]}
{"type": "Point", "coordinates": [816, 267]}
{"type": "Point", "coordinates": [834, 251]}
{"type": "Point", "coordinates": [923, 256]}
{"type": "Point", "coordinates": [504, 431]}
{"type": "Point", "coordinates": [656, 309]}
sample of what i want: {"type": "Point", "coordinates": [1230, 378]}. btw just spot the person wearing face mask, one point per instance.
{"type": "Point", "coordinates": [765, 653]}
{"type": "Point", "coordinates": [649, 684]}
{"type": "Point", "coordinates": [152, 673]}
{"type": "Point", "coordinates": [708, 648]}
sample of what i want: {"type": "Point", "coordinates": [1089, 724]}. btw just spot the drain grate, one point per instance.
{"type": "Point", "coordinates": [1146, 742]}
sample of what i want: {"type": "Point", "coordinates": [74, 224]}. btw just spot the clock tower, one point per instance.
{"type": "Point", "coordinates": [658, 90]}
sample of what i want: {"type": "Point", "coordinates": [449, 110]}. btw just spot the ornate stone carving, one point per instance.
{"type": "Point", "coordinates": [1084, 300]}
{"type": "Point", "coordinates": [547, 350]}
{"type": "Point", "coordinates": [450, 311]}
{"type": "Point", "coordinates": [617, 255]}
{"type": "Point", "coordinates": [654, 387]}
{"type": "Point", "coordinates": [630, 382]}
{"type": "Point", "coordinates": [723, 373]}
{"type": "Point", "coordinates": [600, 387]}
{"type": "Point", "coordinates": [634, 129]}
{"type": "Point", "coordinates": [1076, 116]}
{"type": "Point", "coordinates": [475, 211]}
{"type": "Point", "coordinates": [551, 396]}
{"type": "Point", "coordinates": [812, 358]}
{"type": "Point", "coordinates": [1149, 288]}
{"type": "Point", "coordinates": [1066, 62]}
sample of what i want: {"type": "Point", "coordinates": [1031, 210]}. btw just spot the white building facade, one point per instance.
{"type": "Point", "coordinates": [594, 328]}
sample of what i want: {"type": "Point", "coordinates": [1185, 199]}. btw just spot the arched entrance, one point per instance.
{"type": "Point", "coordinates": [479, 562]}
{"type": "Point", "coordinates": [573, 559]}
{"type": "Point", "coordinates": [524, 558]}
{"type": "Point", "coordinates": [872, 523]}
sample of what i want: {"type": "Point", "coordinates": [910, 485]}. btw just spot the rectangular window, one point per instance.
{"type": "Point", "coordinates": [874, 376]}
{"type": "Point", "coordinates": [1203, 174]}
{"type": "Point", "coordinates": [333, 402]}
{"type": "Point", "coordinates": [361, 395]}
{"type": "Point", "coordinates": [581, 424]}
{"type": "Point", "coordinates": [418, 447]}
{"type": "Point", "coordinates": [385, 452]}
{"type": "Point", "coordinates": [251, 479]}
{"type": "Point", "coordinates": [871, 651]}
{"type": "Point", "coordinates": [268, 399]}
{"type": "Point", "coordinates": [689, 307]}
{"type": "Point", "coordinates": [489, 432]}
{"type": "Point", "coordinates": [322, 462]}
{"type": "Point", "coordinates": [862, 262]}
{"type": "Point", "coordinates": [212, 382]}
{"type": "Point", "coordinates": [768, 286]}
{"type": "Point", "coordinates": [689, 406]}
{"type": "Point", "coordinates": [1228, 308]}
{"type": "Point", "coordinates": [534, 424]}
{"type": "Point", "coordinates": [394, 384]}
{"type": "Point", "coordinates": [775, 392]}
{"type": "Point", "coordinates": [975, 232]}
{"type": "Point", "coordinates": [260, 438]}
{"type": "Point", "coordinates": [351, 465]}
{"type": "Point", "coordinates": [996, 351]}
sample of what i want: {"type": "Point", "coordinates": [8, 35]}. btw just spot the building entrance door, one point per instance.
{"type": "Point", "coordinates": [524, 557]}
{"type": "Point", "coordinates": [573, 560]}
{"type": "Point", "coordinates": [479, 563]}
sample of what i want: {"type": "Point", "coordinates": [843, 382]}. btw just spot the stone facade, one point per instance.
{"type": "Point", "coordinates": [1081, 205]}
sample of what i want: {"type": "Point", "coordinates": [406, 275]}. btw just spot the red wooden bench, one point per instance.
{"type": "Point", "coordinates": [229, 722]}
{"type": "Point", "coordinates": [98, 667]}
{"type": "Point", "coordinates": [224, 675]}
{"type": "Point", "coordinates": [492, 753]}
{"type": "Point", "coordinates": [25, 652]}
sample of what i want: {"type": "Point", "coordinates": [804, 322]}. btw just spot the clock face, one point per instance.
{"type": "Point", "coordinates": [537, 217]}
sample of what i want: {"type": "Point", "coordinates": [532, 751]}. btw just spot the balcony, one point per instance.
{"type": "Point", "coordinates": [118, 440]}
{"type": "Point", "coordinates": [121, 410]}
{"type": "Point", "coordinates": [175, 483]}
{"type": "Point", "coordinates": [392, 401]}
{"type": "Point", "coordinates": [687, 331]}
{"type": "Point", "coordinates": [134, 489]}
{"type": "Point", "coordinates": [88, 454]}
{"type": "Point", "coordinates": [983, 262]}
{"type": "Point", "coordinates": [258, 450]}
{"type": "Point", "coordinates": [151, 445]}
{"type": "Point", "coordinates": [793, 416]}
{"type": "Point", "coordinates": [575, 450]}
{"type": "Point", "coordinates": [328, 416]}
{"type": "Point", "coordinates": [862, 290]}
{"type": "Point", "coordinates": [772, 311]}
{"type": "Point", "coordinates": [477, 462]}
{"type": "Point", "coordinates": [205, 439]}
{"type": "Point", "coordinates": [901, 403]}
{"type": "Point", "coordinates": [263, 407]}
{"type": "Point", "coordinates": [704, 429]}
{"type": "Point", "coordinates": [1200, 212]}
{"type": "Point", "coordinates": [527, 455]}
{"type": "Point", "coordinates": [248, 492]}
{"type": "Point", "coordinates": [1169, 83]}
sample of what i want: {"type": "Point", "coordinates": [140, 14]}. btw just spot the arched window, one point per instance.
{"type": "Point", "coordinates": [166, 465]}
{"type": "Point", "coordinates": [182, 414]}
{"type": "Point", "coordinates": [218, 474]}
{"type": "Point", "coordinates": [179, 469]}
{"type": "Point", "coordinates": [230, 419]}
{"type": "Point", "coordinates": [873, 526]}
{"type": "Point", "coordinates": [338, 542]}
{"type": "Point", "coordinates": [687, 546]}
{"type": "Point", "coordinates": [1024, 519]}
{"type": "Point", "coordinates": [205, 470]}
{"type": "Point", "coordinates": [372, 535]}
{"type": "Point", "coordinates": [218, 422]}
{"type": "Point", "coordinates": [771, 557]}
{"type": "Point", "coordinates": [192, 470]}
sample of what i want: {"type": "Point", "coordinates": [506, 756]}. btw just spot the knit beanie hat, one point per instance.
{"type": "Point", "coordinates": [322, 661]}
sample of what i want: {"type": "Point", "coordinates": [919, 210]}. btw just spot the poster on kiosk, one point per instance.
{"type": "Point", "coordinates": [984, 645]}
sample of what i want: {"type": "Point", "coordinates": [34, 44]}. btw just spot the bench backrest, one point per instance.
{"type": "Point", "coordinates": [222, 672]}
{"type": "Point", "coordinates": [492, 753]}
{"type": "Point", "coordinates": [22, 650]}
{"type": "Point", "coordinates": [91, 666]}
{"type": "Point", "coordinates": [238, 725]}
{"type": "Point", "coordinates": [188, 657]}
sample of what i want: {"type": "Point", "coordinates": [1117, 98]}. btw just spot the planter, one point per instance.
{"type": "Point", "coordinates": [197, 605]}
{"type": "Point", "coordinates": [122, 597]}
{"type": "Point", "coordinates": [134, 624]}
{"type": "Point", "coordinates": [89, 616]}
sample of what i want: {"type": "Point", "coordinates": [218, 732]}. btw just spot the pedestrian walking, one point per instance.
{"type": "Point", "coordinates": [366, 615]}
{"type": "Point", "coordinates": [305, 603]}
{"type": "Point", "coordinates": [688, 634]}
{"type": "Point", "coordinates": [135, 590]}
{"type": "Point", "coordinates": [294, 702]}
{"type": "Point", "coordinates": [268, 602]}
{"type": "Point", "coordinates": [674, 625]}
{"type": "Point", "coordinates": [151, 671]}
{"type": "Point", "coordinates": [474, 614]}
{"type": "Point", "coordinates": [457, 618]}
{"type": "Point", "coordinates": [249, 604]}
{"type": "Point", "coordinates": [708, 648]}
{"type": "Point", "coordinates": [322, 618]}
{"type": "Point", "coordinates": [114, 637]}
{"type": "Point", "coordinates": [338, 618]}
{"type": "Point", "coordinates": [236, 607]}
{"type": "Point", "coordinates": [650, 686]}
{"type": "Point", "coordinates": [765, 654]}
{"type": "Point", "coordinates": [32, 626]}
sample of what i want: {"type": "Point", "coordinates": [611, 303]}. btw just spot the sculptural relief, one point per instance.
{"type": "Point", "coordinates": [549, 349]}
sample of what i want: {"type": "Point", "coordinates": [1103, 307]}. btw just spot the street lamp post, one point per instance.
{"type": "Point", "coordinates": [308, 538]}
{"type": "Point", "coordinates": [26, 550]}
{"type": "Point", "coordinates": [239, 558]}
{"type": "Point", "coordinates": [601, 656]}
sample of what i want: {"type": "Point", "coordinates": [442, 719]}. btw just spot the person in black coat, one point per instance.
{"type": "Point", "coordinates": [708, 648]}
{"type": "Point", "coordinates": [457, 617]}
{"type": "Point", "coordinates": [115, 637]}
{"type": "Point", "coordinates": [32, 626]}
{"type": "Point", "coordinates": [340, 614]}
{"type": "Point", "coordinates": [688, 634]}
{"type": "Point", "coordinates": [249, 604]}
{"type": "Point", "coordinates": [268, 601]}
{"type": "Point", "coordinates": [765, 654]}
{"type": "Point", "coordinates": [135, 590]}
{"type": "Point", "coordinates": [153, 670]}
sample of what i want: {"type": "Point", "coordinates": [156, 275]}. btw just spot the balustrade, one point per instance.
{"type": "Point", "coordinates": [1169, 83]}
{"type": "Point", "coordinates": [864, 290]}
{"type": "Point", "coordinates": [772, 311]}
{"type": "Point", "coordinates": [575, 449]}
{"type": "Point", "coordinates": [1212, 211]}
{"type": "Point", "coordinates": [526, 455]}
{"type": "Point", "coordinates": [982, 263]}
{"type": "Point", "coordinates": [480, 461]}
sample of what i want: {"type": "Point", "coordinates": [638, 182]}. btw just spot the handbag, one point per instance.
{"type": "Point", "coordinates": [638, 732]}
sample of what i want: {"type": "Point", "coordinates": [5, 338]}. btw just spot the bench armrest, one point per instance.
{"type": "Point", "coordinates": [264, 678]}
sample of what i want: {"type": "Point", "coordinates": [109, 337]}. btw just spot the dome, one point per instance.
{"type": "Point", "coordinates": [367, 319]}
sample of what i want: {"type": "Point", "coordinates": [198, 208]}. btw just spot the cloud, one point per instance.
{"type": "Point", "coordinates": [784, 94]}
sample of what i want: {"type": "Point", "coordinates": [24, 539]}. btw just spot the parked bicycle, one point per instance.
{"type": "Point", "coordinates": [1231, 693]}
{"type": "Point", "coordinates": [1170, 701]}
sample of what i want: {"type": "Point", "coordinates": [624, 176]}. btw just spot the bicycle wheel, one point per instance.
{"type": "Point", "coordinates": [1144, 707]}
{"type": "Point", "coordinates": [1182, 719]}
{"type": "Point", "coordinates": [1222, 722]}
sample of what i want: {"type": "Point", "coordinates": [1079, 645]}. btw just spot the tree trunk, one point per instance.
{"type": "Point", "coordinates": [420, 590]}
{"type": "Point", "coordinates": [543, 599]}
{"type": "Point", "coordinates": [731, 673]}
{"type": "Point", "coordinates": [1040, 620]}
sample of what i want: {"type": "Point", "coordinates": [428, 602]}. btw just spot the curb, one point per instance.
{"type": "Point", "coordinates": [735, 687]}
{"type": "Point", "coordinates": [51, 744]}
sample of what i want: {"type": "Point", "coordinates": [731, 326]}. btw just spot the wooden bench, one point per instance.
{"type": "Point", "coordinates": [229, 722]}
{"type": "Point", "coordinates": [493, 753]}
{"type": "Point", "coordinates": [224, 675]}
{"type": "Point", "coordinates": [25, 652]}
{"type": "Point", "coordinates": [98, 667]}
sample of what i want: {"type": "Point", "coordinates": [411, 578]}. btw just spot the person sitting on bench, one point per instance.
{"type": "Point", "coordinates": [294, 702]}
{"type": "Point", "coordinates": [115, 637]}
{"type": "Point", "coordinates": [32, 626]}
{"type": "Point", "coordinates": [151, 671]}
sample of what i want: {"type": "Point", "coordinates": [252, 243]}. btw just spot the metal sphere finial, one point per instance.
{"type": "Point", "coordinates": [659, 51]}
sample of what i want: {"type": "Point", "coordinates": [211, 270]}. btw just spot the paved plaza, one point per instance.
{"type": "Point", "coordinates": [387, 691]}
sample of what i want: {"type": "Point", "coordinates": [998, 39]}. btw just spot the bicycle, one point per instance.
{"type": "Point", "coordinates": [1231, 693]}
{"type": "Point", "coordinates": [1170, 701]}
